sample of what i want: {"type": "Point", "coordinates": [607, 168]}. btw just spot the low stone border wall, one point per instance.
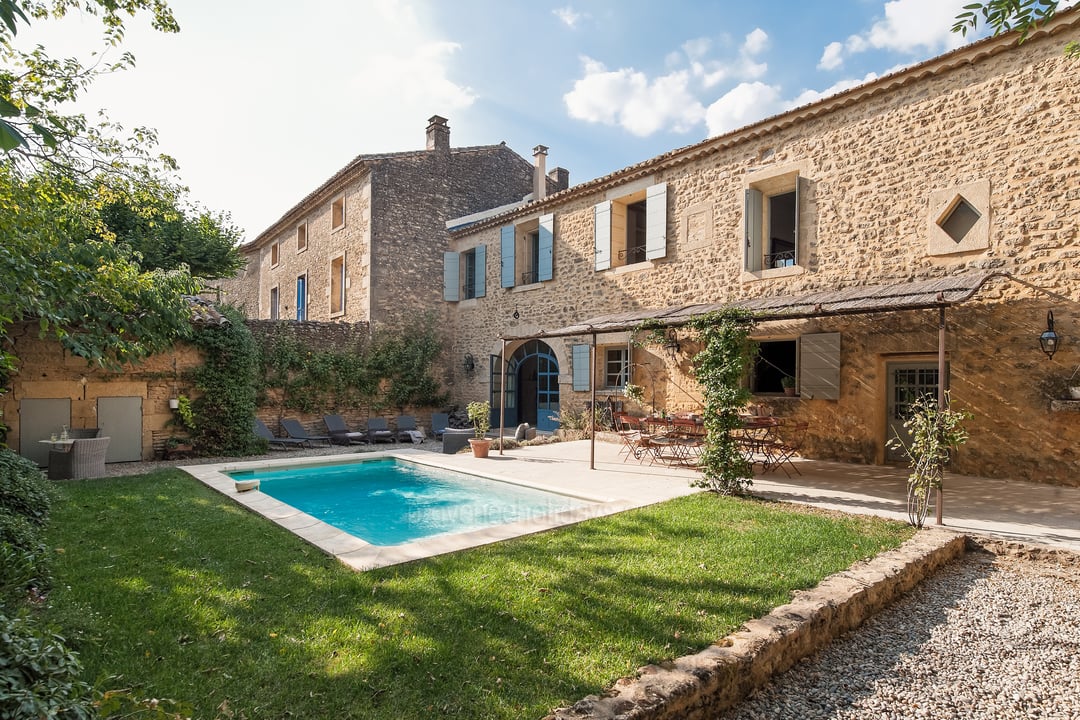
{"type": "Point", "coordinates": [701, 685]}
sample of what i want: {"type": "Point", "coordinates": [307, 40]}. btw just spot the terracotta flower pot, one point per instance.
{"type": "Point", "coordinates": [480, 447]}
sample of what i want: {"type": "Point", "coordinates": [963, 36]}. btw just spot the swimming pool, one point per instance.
{"type": "Point", "coordinates": [390, 501]}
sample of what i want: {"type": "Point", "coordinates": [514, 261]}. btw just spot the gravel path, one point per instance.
{"type": "Point", "coordinates": [988, 637]}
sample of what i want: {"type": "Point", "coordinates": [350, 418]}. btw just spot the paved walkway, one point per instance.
{"type": "Point", "coordinates": [1008, 509]}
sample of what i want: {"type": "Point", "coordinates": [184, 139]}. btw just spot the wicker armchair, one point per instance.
{"type": "Point", "coordinates": [84, 459]}
{"type": "Point", "coordinates": [82, 433]}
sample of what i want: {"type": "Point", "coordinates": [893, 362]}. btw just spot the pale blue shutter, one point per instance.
{"type": "Point", "coordinates": [819, 366]}
{"type": "Point", "coordinates": [507, 250]}
{"type": "Point", "coordinates": [656, 222]}
{"type": "Point", "coordinates": [547, 246]}
{"type": "Point", "coordinates": [580, 355]}
{"type": "Point", "coordinates": [602, 235]}
{"type": "Point", "coordinates": [800, 194]}
{"type": "Point", "coordinates": [480, 283]}
{"type": "Point", "coordinates": [753, 209]}
{"type": "Point", "coordinates": [451, 287]}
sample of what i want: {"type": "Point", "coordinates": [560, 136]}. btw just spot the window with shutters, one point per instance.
{"type": "Point", "coordinates": [812, 360]}
{"type": "Point", "coordinates": [337, 213]}
{"type": "Point", "coordinates": [337, 286]}
{"type": "Point", "coordinates": [776, 359]}
{"type": "Point", "coordinates": [773, 212]}
{"type": "Point", "coordinates": [464, 274]}
{"type": "Point", "coordinates": [527, 252]}
{"type": "Point", "coordinates": [301, 237]}
{"type": "Point", "coordinates": [632, 228]}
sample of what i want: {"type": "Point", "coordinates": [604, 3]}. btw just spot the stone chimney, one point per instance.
{"type": "Point", "coordinates": [540, 172]}
{"type": "Point", "coordinates": [561, 178]}
{"type": "Point", "coordinates": [438, 134]}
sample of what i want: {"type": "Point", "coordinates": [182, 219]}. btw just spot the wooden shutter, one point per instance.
{"type": "Point", "coordinates": [547, 246]}
{"type": "Point", "coordinates": [753, 211]}
{"type": "Point", "coordinates": [480, 283]}
{"type": "Point", "coordinates": [819, 366]}
{"type": "Point", "coordinates": [602, 235]}
{"type": "Point", "coordinates": [656, 221]}
{"type": "Point", "coordinates": [506, 248]}
{"type": "Point", "coordinates": [581, 365]}
{"type": "Point", "coordinates": [451, 288]}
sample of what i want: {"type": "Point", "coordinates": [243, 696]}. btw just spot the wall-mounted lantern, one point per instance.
{"type": "Point", "coordinates": [671, 343]}
{"type": "Point", "coordinates": [469, 363]}
{"type": "Point", "coordinates": [1049, 340]}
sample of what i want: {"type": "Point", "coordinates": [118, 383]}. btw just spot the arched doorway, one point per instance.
{"type": "Point", "coordinates": [532, 387]}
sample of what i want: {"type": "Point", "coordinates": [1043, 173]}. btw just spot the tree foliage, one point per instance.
{"type": "Point", "coordinates": [155, 220]}
{"type": "Point", "coordinates": [1004, 16]}
{"type": "Point", "coordinates": [34, 86]}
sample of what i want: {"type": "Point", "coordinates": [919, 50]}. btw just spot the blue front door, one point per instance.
{"type": "Point", "coordinates": [532, 387]}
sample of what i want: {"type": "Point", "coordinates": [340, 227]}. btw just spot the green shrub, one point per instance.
{"type": "Point", "coordinates": [39, 675]}
{"type": "Point", "coordinates": [23, 488]}
{"type": "Point", "coordinates": [20, 570]}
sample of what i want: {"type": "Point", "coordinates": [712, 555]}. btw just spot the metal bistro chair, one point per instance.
{"type": "Point", "coordinates": [786, 444]}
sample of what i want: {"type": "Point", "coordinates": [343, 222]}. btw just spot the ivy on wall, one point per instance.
{"type": "Point", "coordinates": [392, 369]}
{"type": "Point", "coordinates": [226, 381]}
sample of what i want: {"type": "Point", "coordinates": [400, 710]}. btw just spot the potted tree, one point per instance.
{"type": "Point", "coordinates": [480, 416]}
{"type": "Point", "coordinates": [788, 383]}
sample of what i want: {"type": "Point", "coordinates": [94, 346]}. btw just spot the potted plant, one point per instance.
{"type": "Point", "coordinates": [480, 417]}
{"type": "Point", "coordinates": [788, 383]}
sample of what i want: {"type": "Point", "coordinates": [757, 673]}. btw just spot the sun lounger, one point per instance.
{"type": "Point", "coordinates": [379, 431]}
{"type": "Point", "coordinates": [340, 434]}
{"type": "Point", "coordinates": [439, 423]}
{"type": "Point", "coordinates": [260, 429]}
{"type": "Point", "coordinates": [407, 430]}
{"type": "Point", "coordinates": [296, 431]}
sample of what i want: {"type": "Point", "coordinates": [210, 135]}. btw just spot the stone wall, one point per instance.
{"type": "Point", "coordinates": [47, 371]}
{"type": "Point", "coordinates": [877, 163]}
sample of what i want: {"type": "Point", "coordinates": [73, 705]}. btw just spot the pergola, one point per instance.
{"type": "Point", "coordinates": [939, 293]}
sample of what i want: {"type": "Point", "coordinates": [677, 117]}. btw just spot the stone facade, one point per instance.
{"type": "Point", "coordinates": [46, 371]}
{"type": "Point", "coordinates": [880, 171]}
{"type": "Point", "coordinates": [384, 217]}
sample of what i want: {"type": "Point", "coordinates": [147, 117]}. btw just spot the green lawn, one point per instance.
{"type": "Point", "coordinates": [174, 590]}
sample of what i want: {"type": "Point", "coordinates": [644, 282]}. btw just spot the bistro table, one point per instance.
{"type": "Point", "coordinates": [757, 437]}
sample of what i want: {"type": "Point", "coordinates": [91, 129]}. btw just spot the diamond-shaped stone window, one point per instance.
{"type": "Point", "coordinates": [958, 219]}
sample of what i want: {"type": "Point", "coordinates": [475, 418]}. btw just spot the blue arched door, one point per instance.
{"type": "Point", "coordinates": [532, 387]}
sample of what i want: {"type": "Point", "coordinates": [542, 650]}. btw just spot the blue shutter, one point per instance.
{"type": "Point", "coordinates": [451, 288]}
{"type": "Point", "coordinates": [481, 270]}
{"type": "Point", "coordinates": [602, 235]}
{"type": "Point", "coordinates": [656, 222]}
{"type": "Point", "coordinates": [580, 355]}
{"type": "Point", "coordinates": [507, 249]}
{"type": "Point", "coordinates": [547, 246]}
{"type": "Point", "coordinates": [753, 209]}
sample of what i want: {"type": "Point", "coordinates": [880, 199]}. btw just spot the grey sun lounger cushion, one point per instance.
{"type": "Point", "coordinates": [260, 429]}
{"type": "Point", "coordinates": [296, 431]}
{"type": "Point", "coordinates": [379, 431]}
{"type": "Point", "coordinates": [340, 434]}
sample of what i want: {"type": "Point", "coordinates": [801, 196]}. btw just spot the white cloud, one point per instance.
{"type": "Point", "coordinates": [568, 16]}
{"type": "Point", "coordinates": [832, 58]}
{"type": "Point", "coordinates": [909, 26]}
{"type": "Point", "coordinates": [627, 98]}
{"type": "Point", "coordinates": [746, 103]}
{"type": "Point", "coordinates": [808, 96]}
{"type": "Point", "coordinates": [414, 79]}
{"type": "Point", "coordinates": [757, 41]}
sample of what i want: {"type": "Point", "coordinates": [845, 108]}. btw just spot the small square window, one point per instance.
{"type": "Point", "coordinates": [337, 213]}
{"type": "Point", "coordinates": [301, 237]}
{"type": "Point", "coordinates": [959, 220]}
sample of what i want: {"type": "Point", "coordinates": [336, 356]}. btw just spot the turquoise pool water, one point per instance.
{"type": "Point", "coordinates": [389, 501]}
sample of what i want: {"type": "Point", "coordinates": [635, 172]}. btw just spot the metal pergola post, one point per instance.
{"type": "Point", "coordinates": [941, 396]}
{"type": "Point", "coordinates": [502, 394]}
{"type": "Point", "coordinates": [592, 411]}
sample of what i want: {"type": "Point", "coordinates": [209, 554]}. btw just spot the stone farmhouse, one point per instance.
{"type": "Point", "coordinates": [366, 245]}
{"type": "Point", "coordinates": [918, 229]}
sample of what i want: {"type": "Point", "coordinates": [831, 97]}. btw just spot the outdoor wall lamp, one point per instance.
{"type": "Point", "coordinates": [1049, 340]}
{"type": "Point", "coordinates": [469, 364]}
{"type": "Point", "coordinates": [671, 343]}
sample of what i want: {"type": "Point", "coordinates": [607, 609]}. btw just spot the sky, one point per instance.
{"type": "Point", "coordinates": [261, 101]}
